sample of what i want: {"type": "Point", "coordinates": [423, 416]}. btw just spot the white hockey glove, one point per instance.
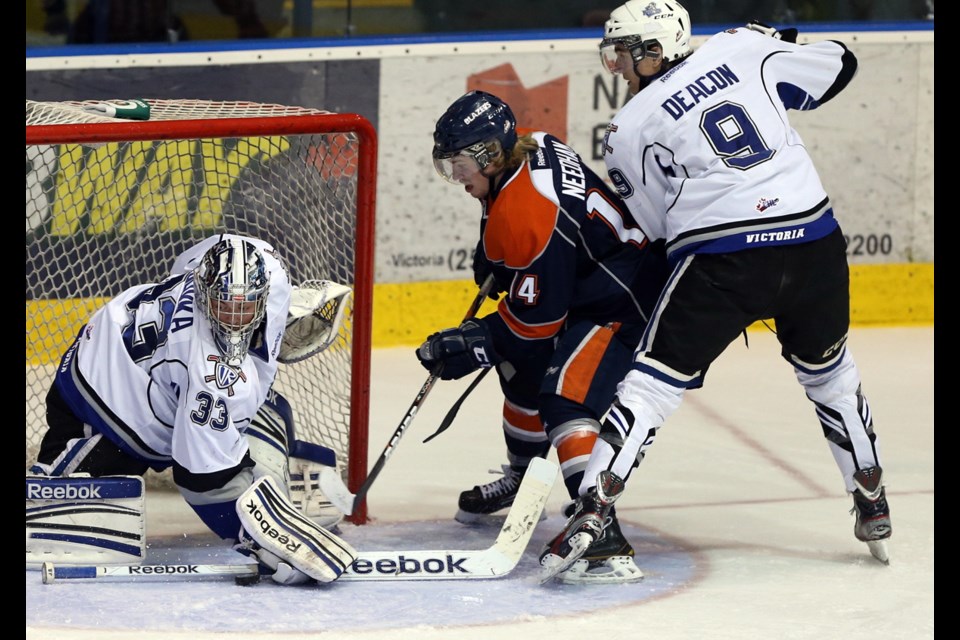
{"type": "Point", "coordinates": [787, 35]}
{"type": "Point", "coordinates": [313, 322]}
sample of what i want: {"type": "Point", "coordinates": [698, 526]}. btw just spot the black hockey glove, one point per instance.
{"type": "Point", "coordinates": [459, 350]}
{"type": "Point", "coordinates": [787, 35]}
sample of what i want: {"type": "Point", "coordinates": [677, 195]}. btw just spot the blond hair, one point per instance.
{"type": "Point", "coordinates": [518, 155]}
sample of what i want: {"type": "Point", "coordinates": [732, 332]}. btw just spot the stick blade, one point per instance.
{"type": "Point", "coordinates": [493, 562]}
{"type": "Point", "coordinates": [331, 484]}
{"type": "Point", "coordinates": [525, 513]}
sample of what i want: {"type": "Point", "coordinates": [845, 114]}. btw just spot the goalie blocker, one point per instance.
{"type": "Point", "coordinates": [76, 520]}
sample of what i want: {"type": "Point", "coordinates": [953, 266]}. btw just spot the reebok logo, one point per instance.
{"type": "Point", "coordinates": [541, 160]}
{"type": "Point", "coordinates": [163, 569]}
{"type": "Point", "coordinates": [403, 565]}
{"type": "Point", "coordinates": [266, 527]}
{"type": "Point", "coordinates": [70, 492]}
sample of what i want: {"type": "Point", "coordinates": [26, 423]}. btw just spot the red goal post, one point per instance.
{"type": "Point", "coordinates": [111, 202]}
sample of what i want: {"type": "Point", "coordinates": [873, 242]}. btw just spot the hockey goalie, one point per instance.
{"type": "Point", "coordinates": [177, 374]}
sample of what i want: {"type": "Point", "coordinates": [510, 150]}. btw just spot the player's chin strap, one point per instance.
{"type": "Point", "coordinates": [314, 320]}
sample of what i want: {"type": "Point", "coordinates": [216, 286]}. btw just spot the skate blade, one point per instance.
{"type": "Point", "coordinates": [614, 570]}
{"type": "Point", "coordinates": [465, 517]}
{"type": "Point", "coordinates": [552, 564]}
{"type": "Point", "coordinates": [878, 549]}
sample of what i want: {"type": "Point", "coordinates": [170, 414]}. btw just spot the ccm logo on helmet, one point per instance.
{"type": "Point", "coordinates": [477, 112]}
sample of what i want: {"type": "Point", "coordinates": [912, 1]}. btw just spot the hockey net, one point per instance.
{"type": "Point", "coordinates": [111, 202]}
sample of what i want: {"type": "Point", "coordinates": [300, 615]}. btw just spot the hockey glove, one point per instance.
{"type": "Point", "coordinates": [787, 35]}
{"type": "Point", "coordinates": [459, 351]}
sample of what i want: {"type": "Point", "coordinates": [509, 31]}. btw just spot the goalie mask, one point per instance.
{"type": "Point", "coordinates": [232, 284]}
{"type": "Point", "coordinates": [477, 129]}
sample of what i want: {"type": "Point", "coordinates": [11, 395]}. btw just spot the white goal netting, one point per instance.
{"type": "Point", "coordinates": [111, 202]}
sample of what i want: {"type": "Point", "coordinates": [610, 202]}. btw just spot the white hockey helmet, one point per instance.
{"type": "Point", "coordinates": [638, 24]}
{"type": "Point", "coordinates": [232, 284]}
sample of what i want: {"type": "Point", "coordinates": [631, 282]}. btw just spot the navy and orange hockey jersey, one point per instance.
{"type": "Point", "coordinates": [564, 247]}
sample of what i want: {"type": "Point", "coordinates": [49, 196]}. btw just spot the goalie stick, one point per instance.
{"type": "Point", "coordinates": [330, 481]}
{"type": "Point", "coordinates": [51, 572]}
{"type": "Point", "coordinates": [494, 562]}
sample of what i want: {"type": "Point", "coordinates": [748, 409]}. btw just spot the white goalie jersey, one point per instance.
{"type": "Point", "coordinates": [176, 399]}
{"type": "Point", "coordinates": [196, 406]}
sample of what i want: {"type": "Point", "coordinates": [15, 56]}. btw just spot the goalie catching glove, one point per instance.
{"type": "Point", "coordinates": [459, 351]}
{"type": "Point", "coordinates": [313, 322]}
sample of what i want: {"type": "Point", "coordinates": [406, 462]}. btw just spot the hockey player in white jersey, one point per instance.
{"type": "Point", "coordinates": [178, 374]}
{"type": "Point", "coordinates": [705, 158]}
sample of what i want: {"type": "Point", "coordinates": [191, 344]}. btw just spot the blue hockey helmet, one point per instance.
{"type": "Point", "coordinates": [478, 126]}
{"type": "Point", "coordinates": [232, 284]}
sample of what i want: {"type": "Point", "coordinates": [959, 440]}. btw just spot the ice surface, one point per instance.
{"type": "Point", "coordinates": [738, 515]}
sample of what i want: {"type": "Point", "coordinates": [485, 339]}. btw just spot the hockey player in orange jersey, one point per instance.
{"type": "Point", "coordinates": [579, 277]}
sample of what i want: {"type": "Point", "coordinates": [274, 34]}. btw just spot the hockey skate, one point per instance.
{"type": "Point", "coordinates": [608, 560]}
{"type": "Point", "coordinates": [873, 515]}
{"type": "Point", "coordinates": [489, 498]}
{"type": "Point", "coordinates": [585, 526]}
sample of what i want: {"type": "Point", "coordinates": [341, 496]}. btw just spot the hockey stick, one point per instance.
{"type": "Point", "coordinates": [448, 419]}
{"type": "Point", "coordinates": [51, 572]}
{"type": "Point", "coordinates": [330, 481]}
{"type": "Point", "coordinates": [493, 562]}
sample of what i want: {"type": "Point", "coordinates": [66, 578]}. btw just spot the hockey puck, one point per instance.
{"type": "Point", "coordinates": [246, 581]}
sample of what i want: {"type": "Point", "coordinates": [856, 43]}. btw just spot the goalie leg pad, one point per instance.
{"type": "Point", "coordinates": [271, 437]}
{"type": "Point", "coordinates": [306, 461]}
{"type": "Point", "coordinates": [272, 521]}
{"type": "Point", "coordinates": [79, 520]}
